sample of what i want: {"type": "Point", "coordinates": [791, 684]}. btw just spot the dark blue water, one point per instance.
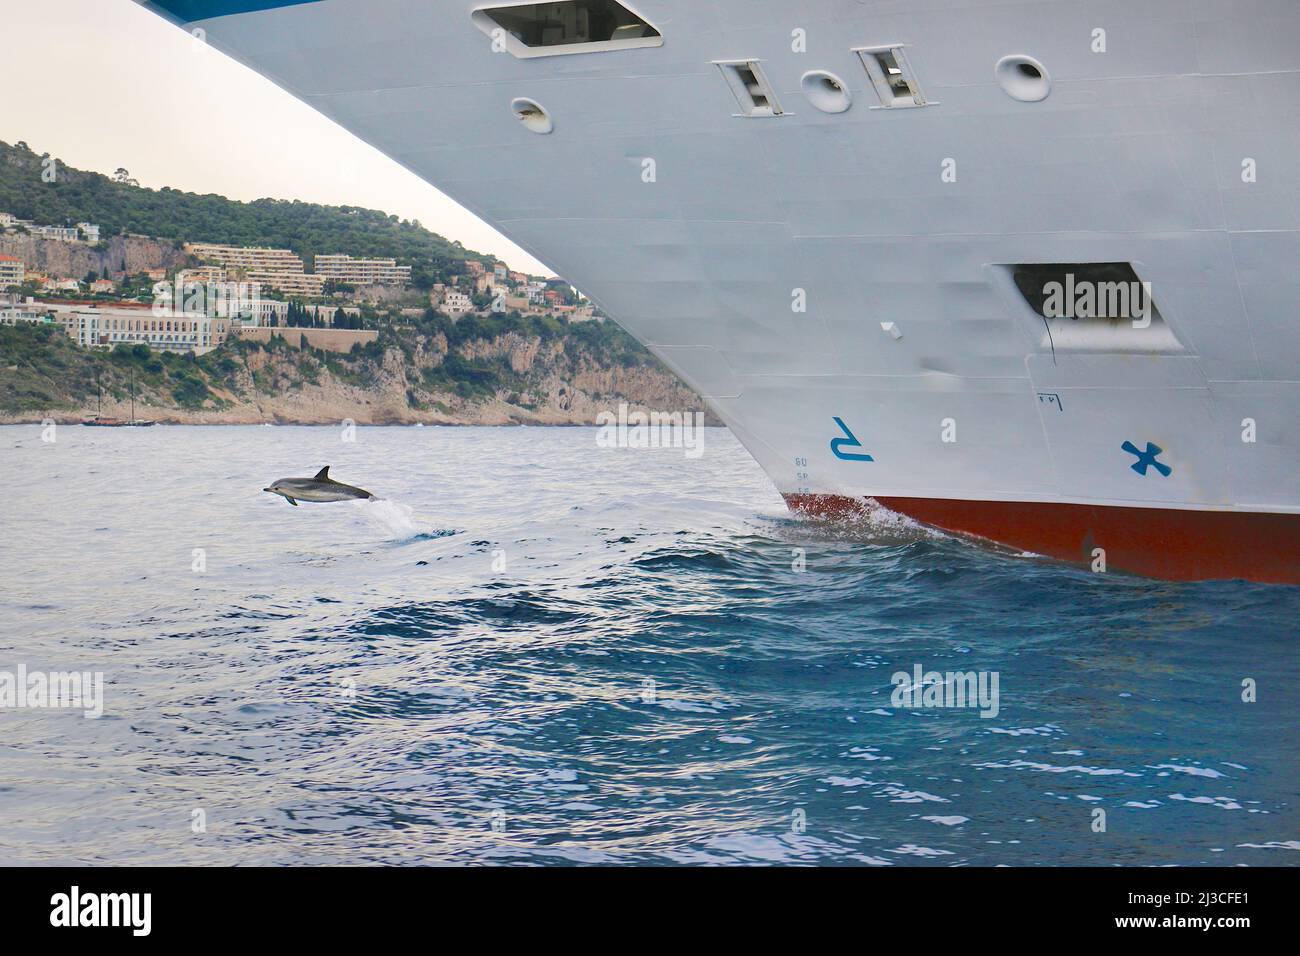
{"type": "Point", "coordinates": [648, 679]}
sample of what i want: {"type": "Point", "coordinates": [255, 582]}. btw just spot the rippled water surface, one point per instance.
{"type": "Point", "coordinates": [648, 680]}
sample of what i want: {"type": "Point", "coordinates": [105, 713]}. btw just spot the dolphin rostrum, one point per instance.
{"type": "Point", "coordinates": [320, 488]}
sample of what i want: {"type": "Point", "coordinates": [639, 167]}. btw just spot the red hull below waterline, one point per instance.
{"type": "Point", "coordinates": [1174, 545]}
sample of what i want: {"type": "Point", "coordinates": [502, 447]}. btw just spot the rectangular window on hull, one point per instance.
{"type": "Point", "coordinates": [754, 94]}
{"type": "Point", "coordinates": [892, 76]}
{"type": "Point", "coordinates": [1089, 307]}
{"type": "Point", "coordinates": [1084, 290]}
{"type": "Point", "coordinates": [569, 26]}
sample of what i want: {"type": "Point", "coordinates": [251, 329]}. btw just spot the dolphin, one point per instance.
{"type": "Point", "coordinates": [320, 488]}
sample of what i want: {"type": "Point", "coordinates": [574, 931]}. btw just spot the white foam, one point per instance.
{"type": "Point", "coordinates": [1192, 771]}
{"type": "Point", "coordinates": [396, 519]}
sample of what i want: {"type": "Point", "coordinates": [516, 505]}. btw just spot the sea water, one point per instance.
{"type": "Point", "coordinates": [536, 649]}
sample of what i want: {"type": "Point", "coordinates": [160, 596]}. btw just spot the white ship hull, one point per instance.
{"type": "Point", "coordinates": [842, 286]}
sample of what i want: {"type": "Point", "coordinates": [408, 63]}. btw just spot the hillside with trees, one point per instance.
{"type": "Point", "coordinates": [490, 370]}
{"type": "Point", "coordinates": [119, 205]}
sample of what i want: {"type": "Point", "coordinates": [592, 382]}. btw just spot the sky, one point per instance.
{"type": "Point", "coordinates": [103, 84]}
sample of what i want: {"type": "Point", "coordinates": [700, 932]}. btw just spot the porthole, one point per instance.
{"type": "Point", "coordinates": [532, 114]}
{"type": "Point", "coordinates": [1023, 78]}
{"type": "Point", "coordinates": [826, 91]}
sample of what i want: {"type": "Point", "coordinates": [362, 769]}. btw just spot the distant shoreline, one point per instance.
{"type": "Point", "coordinates": [158, 423]}
{"type": "Point", "coordinates": [214, 420]}
{"type": "Point", "coordinates": [168, 423]}
{"type": "Point", "coordinates": [66, 418]}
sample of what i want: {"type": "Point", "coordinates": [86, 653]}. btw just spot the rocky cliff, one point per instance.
{"type": "Point", "coordinates": [493, 372]}
{"type": "Point", "coordinates": [131, 254]}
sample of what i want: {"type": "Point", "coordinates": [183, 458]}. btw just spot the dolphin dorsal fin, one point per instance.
{"type": "Point", "coordinates": [323, 474]}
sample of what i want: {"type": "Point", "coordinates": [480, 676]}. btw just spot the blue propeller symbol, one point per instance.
{"type": "Point", "coordinates": [1147, 459]}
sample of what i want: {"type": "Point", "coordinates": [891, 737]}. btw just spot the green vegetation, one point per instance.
{"type": "Point", "coordinates": [42, 370]}
{"type": "Point", "coordinates": [446, 365]}
{"type": "Point", "coordinates": [119, 206]}
{"type": "Point", "coordinates": [599, 343]}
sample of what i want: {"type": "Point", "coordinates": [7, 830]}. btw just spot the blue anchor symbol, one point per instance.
{"type": "Point", "coordinates": [849, 441]}
{"type": "Point", "coordinates": [1147, 459]}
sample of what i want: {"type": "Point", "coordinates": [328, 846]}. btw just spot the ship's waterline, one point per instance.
{"type": "Point", "coordinates": [1186, 544]}
{"type": "Point", "coordinates": [895, 222]}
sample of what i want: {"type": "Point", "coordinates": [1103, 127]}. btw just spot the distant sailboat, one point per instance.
{"type": "Point", "coordinates": [99, 421]}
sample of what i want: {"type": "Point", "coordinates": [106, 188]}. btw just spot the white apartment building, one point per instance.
{"type": "Point", "coordinates": [14, 310]}
{"type": "Point", "coordinates": [342, 268]}
{"type": "Point", "coordinates": [57, 233]}
{"type": "Point", "coordinates": [247, 257]}
{"type": "Point", "coordinates": [301, 284]}
{"type": "Point", "coordinates": [12, 271]}
{"type": "Point", "coordinates": [275, 268]}
{"type": "Point", "coordinates": [202, 274]}
{"type": "Point", "coordinates": [105, 328]}
{"type": "Point", "coordinates": [17, 316]}
{"type": "Point", "coordinates": [269, 312]}
{"type": "Point", "coordinates": [456, 303]}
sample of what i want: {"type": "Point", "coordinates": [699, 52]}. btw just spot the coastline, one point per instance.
{"type": "Point", "coordinates": [170, 419]}
{"type": "Point", "coordinates": [509, 378]}
{"type": "Point", "coordinates": [575, 401]}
